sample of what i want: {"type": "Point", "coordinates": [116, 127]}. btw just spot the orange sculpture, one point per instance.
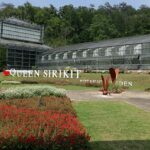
{"type": "Point", "coordinates": [105, 83]}
{"type": "Point", "coordinates": [114, 72]}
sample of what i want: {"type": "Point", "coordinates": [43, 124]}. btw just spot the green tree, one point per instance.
{"type": "Point", "coordinates": [102, 28]}
{"type": "Point", "coordinates": [69, 24]}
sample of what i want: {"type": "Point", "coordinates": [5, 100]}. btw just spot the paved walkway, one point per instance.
{"type": "Point", "coordinates": [139, 99]}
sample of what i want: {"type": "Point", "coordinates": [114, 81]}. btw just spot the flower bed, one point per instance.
{"type": "Point", "coordinates": [53, 103]}
{"type": "Point", "coordinates": [23, 128]}
{"type": "Point", "coordinates": [31, 91]}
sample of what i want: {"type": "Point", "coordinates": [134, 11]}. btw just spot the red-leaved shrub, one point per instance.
{"type": "Point", "coordinates": [53, 103]}
{"type": "Point", "coordinates": [24, 128]}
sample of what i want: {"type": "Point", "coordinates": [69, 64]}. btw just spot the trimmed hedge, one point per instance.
{"type": "Point", "coordinates": [31, 91]}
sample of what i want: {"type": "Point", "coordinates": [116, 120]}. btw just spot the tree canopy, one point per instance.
{"type": "Point", "coordinates": [69, 24]}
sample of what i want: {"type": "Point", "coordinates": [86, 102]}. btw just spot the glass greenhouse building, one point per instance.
{"type": "Point", "coordinates": [22, 47]}
{"type": "Point", "coordinates": [20, 44]}
{"type": "Point", "coordinates": [132, 53]}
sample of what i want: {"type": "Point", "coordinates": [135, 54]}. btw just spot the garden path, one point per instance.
{"type": "Point", "coordinates": [137, 98]}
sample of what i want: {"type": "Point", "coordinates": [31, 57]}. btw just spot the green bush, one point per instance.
{"type": "Point", "coordinates": [31, 91]}
{"type": "Point", "coordinates": [116, 88]}
{"type": "Point", "coordinates": [147, 89]}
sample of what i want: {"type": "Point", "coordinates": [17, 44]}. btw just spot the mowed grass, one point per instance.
{"type": "Point", "coordinates": [115, 125]}
{"type": "Point", "coordinates": [140, 81]}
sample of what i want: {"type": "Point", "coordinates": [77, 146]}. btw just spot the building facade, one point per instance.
{"type": "Point", "coordinates": [20, 43]}
{"type": "Point", "coordinates": [131, 53]}
{"type": "Point", "coordinates": [22, 47]}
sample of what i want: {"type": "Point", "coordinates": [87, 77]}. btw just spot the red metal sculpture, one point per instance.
{"type": "Point", "coordinates": [105, 83]}
{"type": "Point", "coordinates": [114, 72]}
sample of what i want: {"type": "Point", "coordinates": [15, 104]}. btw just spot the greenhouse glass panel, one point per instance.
{"type": "Point", "coordinates": [16, 32]}
{"type": "Point", "coordinates": [146, 48]}
{"type": "Point", "coordinates": [0, 27]}
{"type": "Point", "coordinates": [108, 51]}
{"type": "Point", "coordinates": [85, 54]}
{"type": "Point", "coordinates": [46, 57]}
{"type": "Point", "coordinates": [146, 60]}
{"type": "Point", "coordinates": [137, 49]}
{"type": "Point", "coordinates": [74, 55]}
{"type": "Point", "coordinates": [65, 56]}
{"type": "Point", "coordinates": [49, 57]}
{"type": "Point", "coordinates": [95, 52]}
{"type": "Point", "coordinates": [122, 50]}
{"type": "Point", "coordinates": [43, 58]}
{"type": "Point", "coordinates": [56, 56]}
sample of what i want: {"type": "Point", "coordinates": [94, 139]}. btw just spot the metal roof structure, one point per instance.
{"type": "Point", "coordinates": [106, 43]}
{"type": "Point", "coordinates": [24, 45]}
{"type": "Point", "coordinates": [19, 22]}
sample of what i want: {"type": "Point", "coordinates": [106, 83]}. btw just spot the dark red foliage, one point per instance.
{"type": "Point", "coordinates": [31, 128]}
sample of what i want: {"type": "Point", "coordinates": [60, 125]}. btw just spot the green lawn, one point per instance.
{"type": "Point", "coordinates": [115, 125]}
{"type": "Point", "coordinates": [140, 80]}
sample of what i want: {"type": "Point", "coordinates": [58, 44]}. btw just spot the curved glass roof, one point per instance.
{"type": "Point", "coordinates": [19, 22]}
{"type": "Point", "coordinates": [24, 45]}
{"type": "Point", "coordinates": [106, 43]}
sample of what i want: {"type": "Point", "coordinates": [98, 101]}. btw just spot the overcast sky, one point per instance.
{"type": "Point", "coordinates": [58, 3]}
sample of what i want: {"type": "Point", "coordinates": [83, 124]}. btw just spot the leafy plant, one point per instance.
{"type": "Point", "coordinates": [31, 91]}
{"type": "Point", "coordinates": [53, 103]}
{"type": "Point", "coordinates": [147, 89]}
{"type": "Point", "coordinates": [116, 88]}
{"type": "Point", "coordinates": [33, 129]}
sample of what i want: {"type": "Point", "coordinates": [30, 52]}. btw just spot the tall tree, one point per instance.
{"type": "Point", "coordinates": [69, 24]}
{"type": "Point", "coordinates": [102, 27]}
